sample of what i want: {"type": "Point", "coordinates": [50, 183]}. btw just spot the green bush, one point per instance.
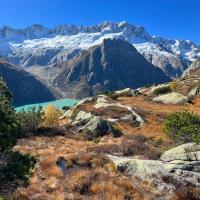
{"type": "Point", "coordinates": [113, 95]}
{"type": "Point", "coordinates": [162, 90]}
{"type": "Point", "coordinates": [15, 168]}
{"type": "Point", "coordinates": [183, 126]}
{"type": "Point", "coordinates": [30, 120]}
{"type": "Point", "coordinates": [87, 134]}
{"type": "Point", "coordinates": [65, 108]}
{"type": "Point", "coordinates": [9, 124]}
{"type": "Point", "coordinates": [159, 142]}
{"type": "Point", "coordinates": [18, 167]}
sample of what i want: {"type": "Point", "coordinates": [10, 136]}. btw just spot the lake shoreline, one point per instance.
{"type": "Point", "coordinates": [59, 103]}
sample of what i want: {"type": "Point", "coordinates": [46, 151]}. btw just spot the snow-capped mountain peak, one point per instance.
{"type": "Point", "coordinates": [38, 45]}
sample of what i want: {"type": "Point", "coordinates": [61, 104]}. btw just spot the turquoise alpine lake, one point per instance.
{"type": "Point", "coordinates": [57, 103]}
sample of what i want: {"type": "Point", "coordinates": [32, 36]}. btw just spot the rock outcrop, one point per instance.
{"type": "Point", "coordinates": [189, 151]}
{"type": "Point", "coordinates": [127, 92]}
{"type": "Point", "coordinates": [177, 167]}
{"type": "Point", "coordinates": [97, 125]}
{"type": "Point", "coordinates": [82, 117]}
{"type": "Point", "coordinates": [171, 98]}
{"type": "Point", "coordinates": [102, 102]}
{"type": "Point", "coordinates": [193, 70]}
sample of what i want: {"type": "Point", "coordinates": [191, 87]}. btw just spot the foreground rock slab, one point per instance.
{"type": "Point", "coordinates": [177, 167]}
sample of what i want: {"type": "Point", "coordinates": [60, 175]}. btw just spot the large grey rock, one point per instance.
{"type": "Point", "coordinates": [180, 165]}
{"type": "Point", "coordinates": [100, 127]}
{"type": "Point", "coordinates": [147, 171]}
{"type": "Point", "coordinates": [82, 118]}
{"type": "Point", "coordinates": [102, 101]}
{"type": "Point", "coordinates": [189, 151]}
{"type": "Point", "coordinates": [69, 113]}
{"type": "Point", "coordinates": [183, 166]}
{"type": "Point", "coordinates": [154, 170]}
{"type": "Point", "coordinates": [171, 98]}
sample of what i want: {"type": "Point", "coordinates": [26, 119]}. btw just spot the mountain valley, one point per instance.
{"type": "Point", "coordinates": [53, 56]}
{"type": "Point", "coordinates": [25, 88]}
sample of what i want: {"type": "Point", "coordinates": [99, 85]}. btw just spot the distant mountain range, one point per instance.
{"type": "Point", "coordinates": [37, 45]}
{"type": "Point", "coordinates": [51, 52]}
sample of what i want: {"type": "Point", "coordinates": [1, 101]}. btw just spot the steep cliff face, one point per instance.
{"type": "Point", "coordinates": [25, 88]}
{"type": "Point", "coordinates": [193, 70]}
{"type": "Point", "coordinates": [115, 64]}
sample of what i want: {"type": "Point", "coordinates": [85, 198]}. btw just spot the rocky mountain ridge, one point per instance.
{"type": "Point", "coordinates": [38, 45]}
{"type": "Point", "coordinates": [113, 65]}
{"type": "Point", "coordinates": [193, 69]}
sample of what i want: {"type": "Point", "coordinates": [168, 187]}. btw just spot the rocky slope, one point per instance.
{"type": "Point", "coordinates": [193, 70]}
{"type": "Point", "coordinates": [94, 161]}
{"type": "Point", "coordinates": [38, 45]}
{"type": "Point", "coordinates": [113, 65]}
{"type": "Point", "coordinates": [25, 87]}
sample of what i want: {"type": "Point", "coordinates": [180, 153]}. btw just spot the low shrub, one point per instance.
{"type": "Point", "coordinates": [51, 116]}
{"type": "Point", "coordinates": [183, 126]}
{"type": "Point", "coordinates": [87, 160]}
{"type": "Point", "coordinates": [140, 145]}
{"type": "Point", "coordinates": [153, 154]}
{"type": "Point", "coordinates": [15, 170]}
{"type": "Point", "coordinates": [87, 134]}
{"type": "Point", "coordinates": [162, 90]}
{"type": "Point", "coordinates": [131, 147]}
{"type": "Point", "coordinates": [30, 120]}
{"type": "Point", "coordinates": [95, 135]}
{"type": "Point", "coordinates": [159, 142]}
{"type": "Point", "coordinates": [113, 95]}
{"type": "Point", "coordinates": [65, 108]}
{"type": "Point", "coordinates": [18, 166]}
{"type": "Point", "coordinates": [174, 85]}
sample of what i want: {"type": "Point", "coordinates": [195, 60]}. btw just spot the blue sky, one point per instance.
{"type": "Point", "coordinates": [169, 18]}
